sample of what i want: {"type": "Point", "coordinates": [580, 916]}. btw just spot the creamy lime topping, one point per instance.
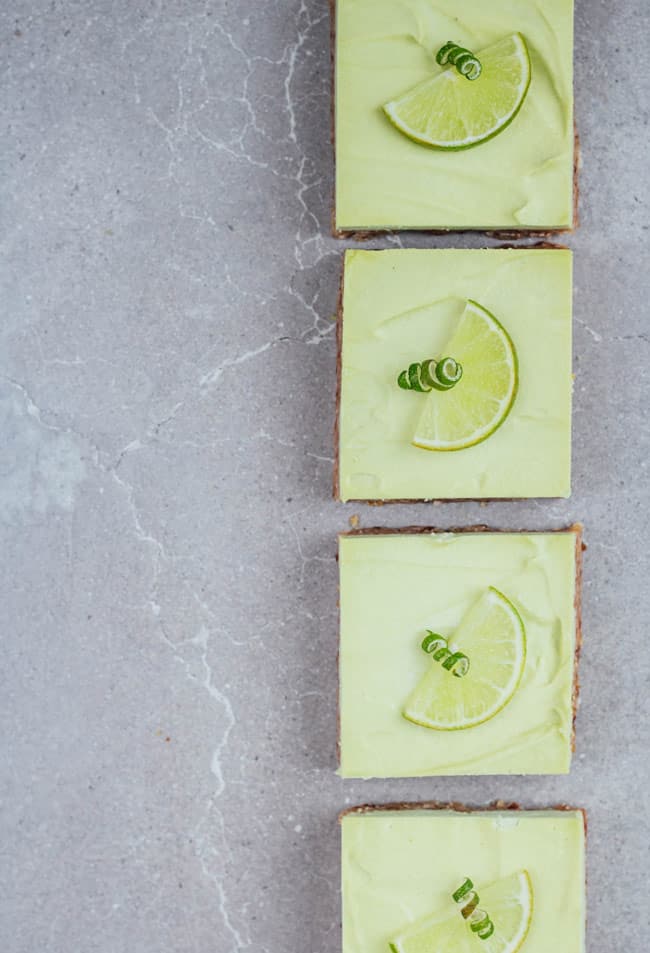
{"type": "Point", "coordinates": [393, 589]}
{"type": "Point", "coordinates": [398, 867]}
{"type": "Point", "coordinates": [401, 306]}
{"type": "Point", "coordinates": [521, 179]}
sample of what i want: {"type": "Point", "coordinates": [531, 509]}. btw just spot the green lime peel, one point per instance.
{"type": "Point", "coordinates": [431, 375]}
{"type": "Point", "coordinates": [478, 920]}
{"type": "Point", "coordinates": [464, 60]}
{"type": "Point", "coordinates": [455, 662]}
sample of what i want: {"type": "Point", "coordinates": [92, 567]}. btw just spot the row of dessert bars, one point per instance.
{"type": "Point", "coordinates": [458, 650]}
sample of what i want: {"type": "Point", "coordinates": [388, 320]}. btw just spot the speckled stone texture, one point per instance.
{"type": "Point", "coordinates": [169, 582]}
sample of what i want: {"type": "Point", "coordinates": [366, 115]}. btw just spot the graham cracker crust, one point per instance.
{"type": "Point", "coordinates": [457, 808]}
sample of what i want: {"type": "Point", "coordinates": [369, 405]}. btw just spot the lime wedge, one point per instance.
{"type": "Point", "coordinates": [479, 403]}
{"type": "Point", "coordinates": [449, 112]}
{"type": "Point", "coordinates": [509, 904]}
{"type": "Point", "coordinates": [493, 637]}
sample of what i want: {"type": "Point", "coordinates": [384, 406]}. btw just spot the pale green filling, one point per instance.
{"type": "Point", "coordinates": [402, 306]}
{"type": "Point", "coordinates": [398, 867]}
{"type": "Point", "coordinates": [523, 178]}
{"type": "Point", "coordinates": [394, 588]}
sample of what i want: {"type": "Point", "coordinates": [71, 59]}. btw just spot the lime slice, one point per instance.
{"type": "Point", "coordinates": [449, 112]}
{"type": "Point", "coordinates": [482, 399]}
{"type": "Point", "coordinates": [509, 904]}
{"type": "Point", "coordinates": [493, 637]}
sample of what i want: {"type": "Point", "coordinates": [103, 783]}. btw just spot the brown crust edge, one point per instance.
{"type": "Point", "coordinates": [577, 602]}
{"type": "Point", "coordinates": [576, 528]}
{"type": "Point", "coordinates": [336, 485]}
{"type": "Point", "coordinates": [458, 808]}
{"type": "Point", "coordinates": [336, 480]}
{"type": "Point", "coordinates": [503, 234]}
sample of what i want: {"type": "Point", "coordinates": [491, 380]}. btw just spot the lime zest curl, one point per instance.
{"type": "Point", "coordinates": [438, 646]}
{"type": "Point", "coordinates": [478, 920]}
{"type": "Point", "coordinates": [467, 64]}
{"type": "Point", "coordinates": [431, 375]}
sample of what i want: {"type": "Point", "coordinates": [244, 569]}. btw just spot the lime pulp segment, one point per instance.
{"type": "Point", "coordinates": [479, 403]}
{"type": "Point", "coordinates": [508, 901]}
{"type": "Point", "coordinates": [493, 637]}
{"type": "Point", "coordinates": [448, 112]}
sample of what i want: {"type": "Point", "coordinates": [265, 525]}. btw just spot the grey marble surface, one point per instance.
{"type": "Point", "coordinates": [168, 536]}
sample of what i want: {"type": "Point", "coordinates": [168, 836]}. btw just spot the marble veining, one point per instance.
{"type": "Point", "coordinates": [169, 582]}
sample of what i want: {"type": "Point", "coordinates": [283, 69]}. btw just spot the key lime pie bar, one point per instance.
{"type": "Point", "coordinates": [454, 116]}
{"type": "Point", "coordinates": [458, 652]}
{"type": "Point", "coordinates": [454, 375]}
{"type": "Point", "coordinates": [432, 878]}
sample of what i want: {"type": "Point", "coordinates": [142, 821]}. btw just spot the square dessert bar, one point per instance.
{"type": "Point", "coordinates": [405, 870]}
{"type": "Point", "coordinates": [506, 314]}
{"type": "Point", "coordinates": [508, 602]}
{"type": "Point", "coordinates": [393, 169]}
